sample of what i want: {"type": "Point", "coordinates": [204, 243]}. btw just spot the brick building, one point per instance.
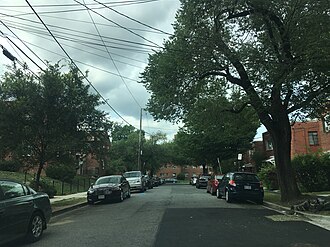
{"type": "Point", "coordinates": [306, 137]}
{"type": "Point", "coordinates": [170, 171]}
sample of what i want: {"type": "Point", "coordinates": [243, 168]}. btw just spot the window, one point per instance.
{"type": "Point", "coordinates": [11, 189]}
{"type": "Point", "coordinates": [313, 138]}
{"type": "Point", "coordinates": [269, 145]}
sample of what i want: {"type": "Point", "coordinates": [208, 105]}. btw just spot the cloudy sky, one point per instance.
{"type": "Point", "coordinates": [112, 42]}
{"type": "Point", "coordinates": [110, 39]}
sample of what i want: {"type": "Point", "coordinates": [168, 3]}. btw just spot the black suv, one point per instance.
{"type": "Point", "coordinates": [241, 186]}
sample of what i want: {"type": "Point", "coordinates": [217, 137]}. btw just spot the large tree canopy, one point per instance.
{"type": "Point", "coordinates": [276, 51]}
{"type": "Point", "coordinates": [46, 117]}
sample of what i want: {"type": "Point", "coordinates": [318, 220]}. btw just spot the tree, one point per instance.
{"type": "Point", "coordinates": [124, 148]}
{"type": "Point", "coordinates": [47, 117]}
{"type": "Point", "coordinates": [276, 52]}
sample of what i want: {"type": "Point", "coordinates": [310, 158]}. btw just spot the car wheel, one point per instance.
{"type": "Point", "coordinates": [121, 196]}
{"type": "Point", "coordinates": [212, 193]}
{"type": "Point", "coordinates": [129, 193]}
{"type": "Point", "coordinates": [90, 202]}
{"type": "Point", "coordinates": [36, 227]}
{"type": "Point", "coordinates": [228, 197]}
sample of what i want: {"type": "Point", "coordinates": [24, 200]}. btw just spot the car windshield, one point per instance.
{"type": "Point", "coordinates": [108, 180]}
{"type": "Point", "coordinates": [246, 177]}
{"type": "Point", "coordinates": [132, 174]}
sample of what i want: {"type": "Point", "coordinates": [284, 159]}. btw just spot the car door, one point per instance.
{"type": "Point", "coordinates": [16, 210]}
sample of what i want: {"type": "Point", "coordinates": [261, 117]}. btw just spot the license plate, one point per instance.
{"type": "Point", "coordinates": [247, 187]}
{"type": "Point", "coordinates": [101, 196]}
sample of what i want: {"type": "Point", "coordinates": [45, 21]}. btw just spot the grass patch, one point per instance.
{"type": "Point", "coordinates": [79, 183]}
{"type": "Point", "coordinates": [68, 202]}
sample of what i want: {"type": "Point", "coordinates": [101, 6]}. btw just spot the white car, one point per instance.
{"type": "Point", "coordinates": [136, 180]}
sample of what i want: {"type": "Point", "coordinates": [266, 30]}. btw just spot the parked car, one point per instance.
{"type": "Point", "coordinates": [23, 212]}
{"type": "Point", "coordinates": [213, 183]}
{"type": "Point", "coordinates": [241, 186]}
{"type": "Point", "coordinates": [171, 180]}
{"type": "Point", "coordinates": [149, 182]}
{"type": "Point", "coordinates": [202, 180]}
{"type": "Point", "coordinates": [136, 180]}
{"type": "Point", "coordinates": [193, 180]}
{"type": "Point", "coordinates": [156, 181]}
{"type": "Point", "coordinates": [109, 187]}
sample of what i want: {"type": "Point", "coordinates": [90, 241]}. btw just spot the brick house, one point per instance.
{"type": "Point", "coordinates": [306, 137]}
{"type": "Point", "coordinates": [171, 170]}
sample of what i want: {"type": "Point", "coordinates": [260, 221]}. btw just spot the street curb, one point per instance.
{"type": "Point", "coordinates": [68, 208]}
{"type": "Point", "coordinates": [304, 214]}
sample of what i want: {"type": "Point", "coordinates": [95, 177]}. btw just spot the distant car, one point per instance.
{"type": "Point", "coordinates": [241, 186]}
{"type": "Point", "coordinates": [171, 180]}
{"type": "Point", "coordinates": [23, 212]}
{"type": "Point", "coordinates": [109, 187]}
{"type": "Point", "coordinates": [193, 180]}
{"type": "Point", "coordinates": [149, 182]}
{"type": "Point", "coordinates": [156, 181]}
{"type": "Point", "coordinates": [213, 183]}
{"type": "Point", "coordinates": [202, 181]}
{"type": "Point", "coordinates": [136, 180]}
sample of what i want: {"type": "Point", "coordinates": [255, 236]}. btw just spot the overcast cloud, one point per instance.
{"type": "Point", "coordinates": [128, 44]}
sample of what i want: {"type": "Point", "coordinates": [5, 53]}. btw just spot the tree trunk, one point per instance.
{"type": "Point", "coordinates": [280, 132]}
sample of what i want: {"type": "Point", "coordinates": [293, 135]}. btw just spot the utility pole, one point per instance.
{"type": "Point", "coordinates": [140, 140]}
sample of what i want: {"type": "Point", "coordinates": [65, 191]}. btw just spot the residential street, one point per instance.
{"type": "Point", "coordinates": [179, 215]}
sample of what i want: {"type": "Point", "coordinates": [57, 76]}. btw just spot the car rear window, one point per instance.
{"type": "Point", "coordinates": [246, 177]}
{"type": "Point", "coordinates": [108, 180]}
{"type": "Point", "coordinates": [132, 174]}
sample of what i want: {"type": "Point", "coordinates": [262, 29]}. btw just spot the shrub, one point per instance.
{"type": "Point", "coordinates": [62, 172]}
{"type": "Point", "coordinates": [312, 171]}
{"type": "Point", "coordinates": [181, 176]}
{"type": "Point", "coordinates": [10, 165]}
{"type": "Point", "coordinates": [44, 187]}
{"type": "Point", "coordinates": [268, 176]}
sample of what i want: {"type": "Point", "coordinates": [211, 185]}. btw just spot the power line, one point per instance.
{"type": "Point", "coordinates": [125, 28]}
{"type": "Point", "coordinates": [130, 92]}
{"type": "Point", "coordinates": [71, 60]}
{"type": "Point", "coordinates": [24, 43]}
{"type": "Point", "coordinates": [132, 19]}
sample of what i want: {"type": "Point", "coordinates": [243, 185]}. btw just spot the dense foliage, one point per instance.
{"type": "Point", "coordinates": [313, 171]}
{"type": "Point", "coordinates": [276, 52]}
{"type": "Point", "coordinates": [10, 165]}
{"type": "Point", "coordinates": [268, 176]}
{"type": "Point", "coordinates": [50, 116]}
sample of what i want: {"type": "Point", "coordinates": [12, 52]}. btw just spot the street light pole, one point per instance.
{"type": "Point", "coordinates": [140, 140]}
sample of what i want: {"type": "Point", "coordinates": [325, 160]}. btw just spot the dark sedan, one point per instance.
{"type": "Point", "coordinates": [23, 212]}
{"type": "Point", "coordinates": [202, 181]}
{"type": "Point", "coordinates": [109, 187]}
{"type": "Point", "coordinates": [241, 186]}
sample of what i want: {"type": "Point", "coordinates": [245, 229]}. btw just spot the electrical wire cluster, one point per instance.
{"type": "Point", "coordinates": [66, 30]}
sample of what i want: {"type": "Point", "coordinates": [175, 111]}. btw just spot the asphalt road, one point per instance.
{"type": "Point", "coordinates": [178, 215]}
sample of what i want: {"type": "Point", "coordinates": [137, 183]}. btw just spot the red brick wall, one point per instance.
{"type": "Point", "coordinates": [167, 171]}
{"type": "Point", "coordinates": [300, 138]}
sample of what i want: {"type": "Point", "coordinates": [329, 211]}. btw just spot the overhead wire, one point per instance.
{"type": "Point", "coordinates": [123, 27]}
{"type": "Point", "coordinates": [75, 20]}
{"type": "Point", "coordinates": [132, 19]}
{"type": "Point", "coordinates": [73, 63]}
{"type": "Point", "coordinates": [110, 56]}
{"type": "Point", "coordinates": [24, 44]}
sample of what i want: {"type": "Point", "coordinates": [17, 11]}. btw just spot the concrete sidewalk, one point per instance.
{"type": "Point", "coordinates": [57, 210]}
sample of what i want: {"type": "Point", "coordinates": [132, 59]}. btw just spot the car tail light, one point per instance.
{"type": "Point", "coordinates": [232, 182]}
{"type": "Point", "coordinates": [216, 182]}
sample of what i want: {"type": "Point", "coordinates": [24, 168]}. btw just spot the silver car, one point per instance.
{"type": "Point", "coordinates": [136, 180]}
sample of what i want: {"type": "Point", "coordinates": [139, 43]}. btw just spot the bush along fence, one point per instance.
{"type": "Point", "coordinates": [56, 187]}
